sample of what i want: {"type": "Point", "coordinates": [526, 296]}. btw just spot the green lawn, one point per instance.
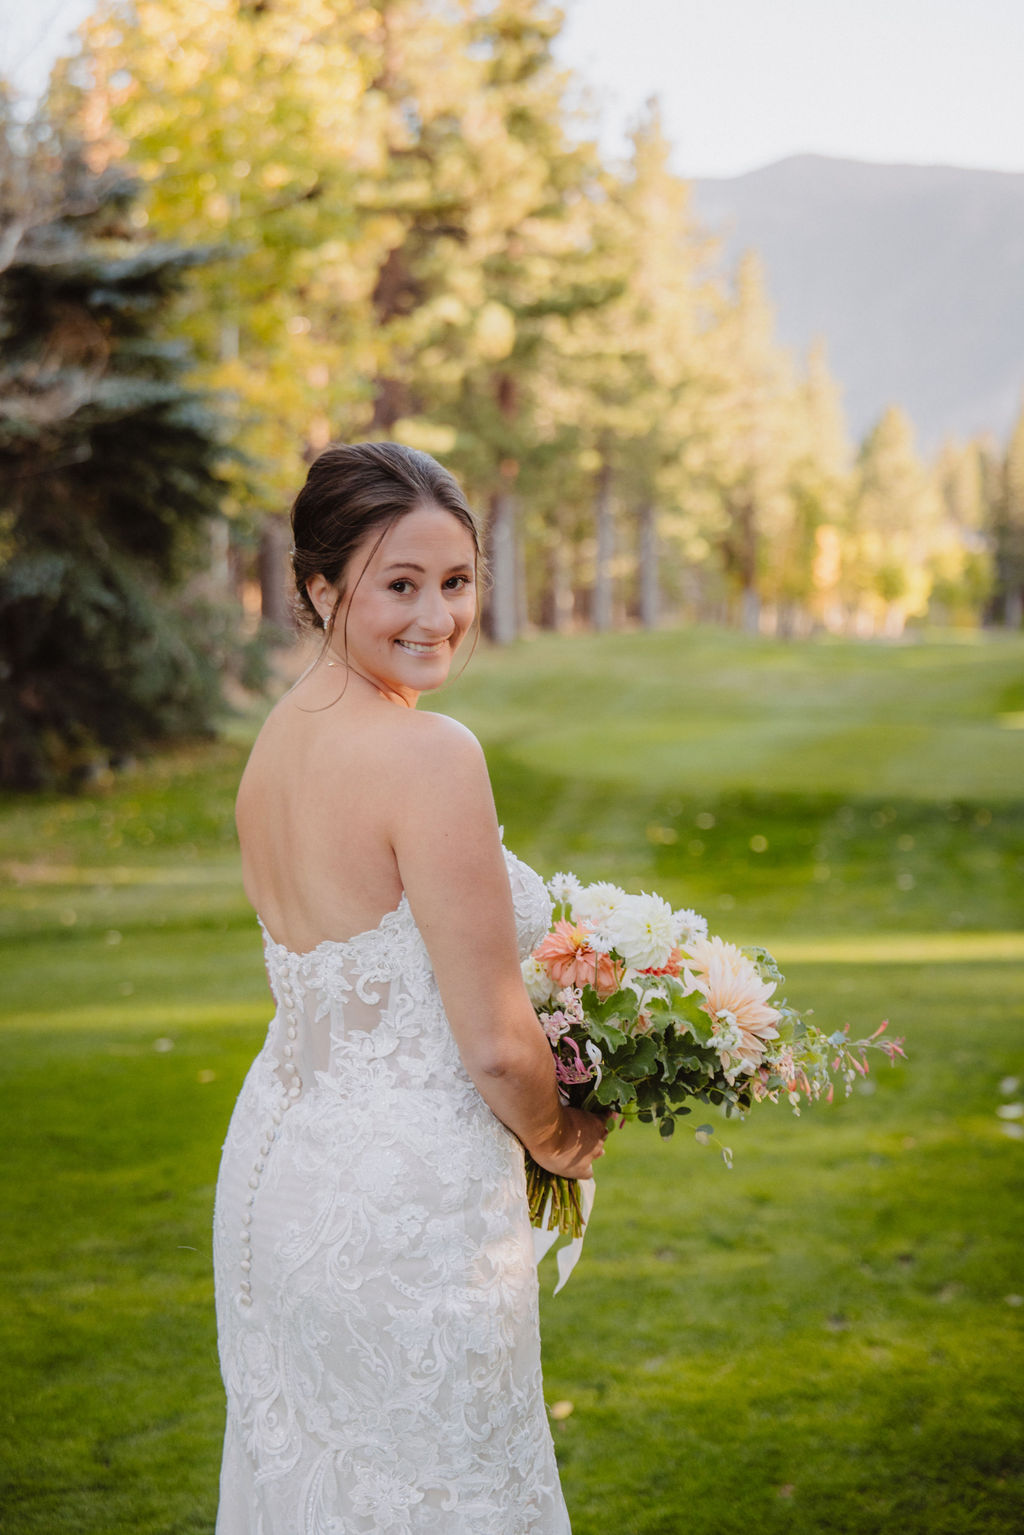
{"type": "Point", "coordinates": [827, 1338]}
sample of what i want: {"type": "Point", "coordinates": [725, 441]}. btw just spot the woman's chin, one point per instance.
{"type": "Point", "coordinates": [424, 672]}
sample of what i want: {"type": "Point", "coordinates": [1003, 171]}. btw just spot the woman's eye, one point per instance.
{"type": "Point", "coordinates": [401, 587]}
{"type": "Point", "coordinates": [456, 583]}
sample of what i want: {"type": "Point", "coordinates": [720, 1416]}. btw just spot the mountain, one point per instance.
{"type": "Point", "coordinates": [912, 275]}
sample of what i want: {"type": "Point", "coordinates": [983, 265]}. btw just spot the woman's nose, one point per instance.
{"type": "Point", "coordinates": [435, 615]}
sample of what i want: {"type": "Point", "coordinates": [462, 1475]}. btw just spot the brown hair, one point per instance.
{"type": "Point", "coordinates": [353, 490]}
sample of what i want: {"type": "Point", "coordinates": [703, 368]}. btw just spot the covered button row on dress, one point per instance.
{"type": "Point", "coordinates": [292, 1090]}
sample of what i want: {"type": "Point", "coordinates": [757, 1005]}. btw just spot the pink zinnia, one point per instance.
{"type": "Point", "coordinates": [570, 961]}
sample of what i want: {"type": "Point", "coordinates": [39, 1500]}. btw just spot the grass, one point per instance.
{"type": "Point", "coordinates": [826, 1338]}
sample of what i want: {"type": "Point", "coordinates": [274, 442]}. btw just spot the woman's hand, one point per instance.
{"type": "Point", "coordinates": [578, 1143]}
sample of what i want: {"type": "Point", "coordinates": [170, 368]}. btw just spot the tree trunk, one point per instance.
{"type": "Point", "coordinates": [650, 594]}
{"type": "Point", "coordinates": [740, 551]}
{"type": "Point", "coordinates": [563, 601]}
{"type": "Point", "coordinates": [275, 572]}
{"type": "Point", "coordinates": [502, 540]}
{"type": "Point", "coordinates": [522, 589]}
{"type": "Point", "coordinates": [605, 530]}
{"type": "Point", "coordinates": [220, 574]}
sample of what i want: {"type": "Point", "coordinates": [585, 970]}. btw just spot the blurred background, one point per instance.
{"type": "Point", "coordinates": [718, 313]}
{"type": "Point", "coordinates": [786, 398]}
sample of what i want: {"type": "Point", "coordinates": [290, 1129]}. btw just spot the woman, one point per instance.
{"type": "Point", "coordinates": [376, 1292]}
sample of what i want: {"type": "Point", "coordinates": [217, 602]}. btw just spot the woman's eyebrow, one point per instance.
{"type": "Point", "coordinates": [412, 565]}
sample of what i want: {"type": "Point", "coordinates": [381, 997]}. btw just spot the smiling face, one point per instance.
{"type": "Point", "coordinates": [406, 606]}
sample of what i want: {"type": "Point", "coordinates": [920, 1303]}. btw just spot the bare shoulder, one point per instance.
{"type": "Point", "coordinates": [431, 757]}
{"type": "Point", "coordinates": [437, 734]}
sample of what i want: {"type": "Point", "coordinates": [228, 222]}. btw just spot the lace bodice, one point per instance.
{"type": "Point", "coordinates": [340, 1017]}
{"type": "Point", "coordinates": [376, 1289]}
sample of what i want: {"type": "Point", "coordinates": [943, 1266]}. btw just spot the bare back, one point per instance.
{"type": "Point", "coordinates": [314, 809]}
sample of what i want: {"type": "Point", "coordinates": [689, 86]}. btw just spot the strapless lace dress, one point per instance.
{"type": "Point", "coordinates": [375, 1278]}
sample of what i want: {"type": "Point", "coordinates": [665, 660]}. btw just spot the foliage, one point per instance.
{"type": "Point", "coordinates": [826, 1337]}
{"type": "Point", "coordinates": [1008, 531]}
{"type": "Point", "coordinates": [644, 1013]}
{"type": "Point", "coordinates": [436, 253]}
{"type": "Point", "coordinates": [428, 246]}
{"type": "Point", "coordinates": [108, 467]}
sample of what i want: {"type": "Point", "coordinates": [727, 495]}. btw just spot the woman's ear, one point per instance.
{"type": "Point", "coordinates": [323, 596]}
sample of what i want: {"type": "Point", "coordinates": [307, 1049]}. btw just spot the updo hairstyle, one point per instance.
{"type": "Point", "coordinates": [356, 489]}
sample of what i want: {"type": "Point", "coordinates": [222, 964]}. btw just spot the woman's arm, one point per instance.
{"type": "Point", "coordinates": [446, 840]}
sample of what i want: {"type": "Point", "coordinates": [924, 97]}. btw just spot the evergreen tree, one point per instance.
{"type": "Point", "coordinates": [754, 449]}
{"type": "Point", "coordinates": [425, 249]}
{"type": "Point", "coordinates": [797, 575]}
{"type": "Point", "coordinates": [632, 374]}
{"type": "Point", "coordinates": [108, 470]}
{"type": "Point", "coordinates": [1008, 532]}
{"type": "Point", "coordinates": [397, 180]}
{"type": "Point", "coordinates": [895, 513]}
{"type": "Point", "coordinates": [531, 269]}
{"type": "Point", "coordinates": [961, 563]}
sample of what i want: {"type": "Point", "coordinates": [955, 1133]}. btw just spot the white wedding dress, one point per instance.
{"type": "Point", "coordinates": [375, 1277]}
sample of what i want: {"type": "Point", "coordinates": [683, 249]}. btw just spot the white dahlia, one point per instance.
{"type": "Point", "coordinates": [688, 926]}
{"type": "Point", "coordinates": [538, 982]}
{"type": "Point", "coordinates": [642, 930]}
{"type": "Point", "coordinates": [595, 903]}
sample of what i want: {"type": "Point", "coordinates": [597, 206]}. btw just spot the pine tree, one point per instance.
{"type": "Point", "coordinates": [895, 512]}
{"type": "Point", "coordinates": [527, 270]}
{"type": "Point", "coordinates": [108, 472]}
{"type": "Point", "coordinates": [1008, 531]}
{"type": "Point", "coordinates": [798, 577]}
{"type": "Point", "coordinates": [398, 183]}
{"type": "Point", "coordinates": [961, 562]}
{"type": "Point", "coordinates": [754, 449]}
{"type": "Point", "coordinates": [623, 378]}
{"type": "Point", "coordinates": [242, 121]}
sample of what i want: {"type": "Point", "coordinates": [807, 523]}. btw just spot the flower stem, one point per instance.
{"type": "Point", "coordinates": [565, 1214]}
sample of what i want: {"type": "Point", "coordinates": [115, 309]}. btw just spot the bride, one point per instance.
{"type": "Point", "coordinates": [376, 1291]}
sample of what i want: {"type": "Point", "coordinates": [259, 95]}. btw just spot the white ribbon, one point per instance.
{"type": "Point", "coordinates": [569, 1255]}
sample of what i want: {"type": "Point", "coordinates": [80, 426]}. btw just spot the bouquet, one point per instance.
{"type": "Point", "coordinates": [647, 1015]}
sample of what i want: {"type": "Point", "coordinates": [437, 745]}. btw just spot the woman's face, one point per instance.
{"type": "Point", "coordinates": [404, 614]}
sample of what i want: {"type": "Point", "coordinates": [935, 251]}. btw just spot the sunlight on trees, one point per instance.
{"type": "Point", "coordinates": [420, 241]}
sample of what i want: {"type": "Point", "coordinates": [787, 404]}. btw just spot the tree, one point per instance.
{"type": "Point", "coordinates": [798, 576]}
{"type": "Point", "coordinates": [961, 563]}
{"type": "Point", "coordinates": [624, 380]}
{"type": "Point", "coordinates": [894, 516]}
{"type": "Point", "coordinates": [397, 181]}
{"type": "Point", "coordinates": [754, 447]}
{"type": "Point", "coordinates": [526, 271]}
{"type": "Point", "coordinates": [244, 122]}
{"type": "Point", "coordinates": [108, 471]}
{"type": "Point", "coordinates": [1008, 532]}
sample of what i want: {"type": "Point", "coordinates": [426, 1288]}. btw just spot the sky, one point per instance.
{"type": "Point", "coordinates": [743, 83]}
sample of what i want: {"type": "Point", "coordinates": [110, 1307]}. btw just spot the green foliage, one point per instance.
{"type": "Point", "coordinates": [108, 474]}
{"type": "Point", "coordinates": [1007, 528]}
{"type": "Point", "coordinates": [425, 245]}
{"type": "Point", "coordinates": [428, 247]}
{"type": "Point", "coordinates": [827, 1337]}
